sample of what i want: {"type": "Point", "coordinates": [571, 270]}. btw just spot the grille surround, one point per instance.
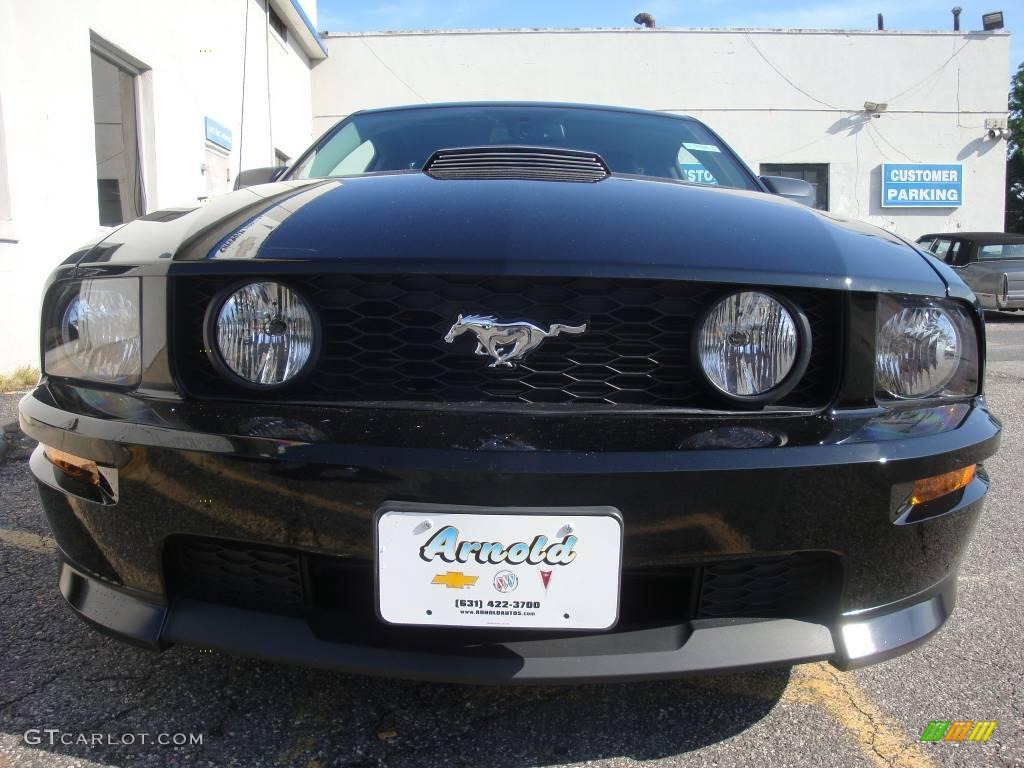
{"type": "Point", "coordinates": [383, 342]}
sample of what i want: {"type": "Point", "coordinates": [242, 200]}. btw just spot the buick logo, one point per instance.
{"type": "Point", "coordinates": [505, 581]}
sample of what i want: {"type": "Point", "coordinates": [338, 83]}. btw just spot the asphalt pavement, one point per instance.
{"type": "Point", "coordinates": [61, 682]}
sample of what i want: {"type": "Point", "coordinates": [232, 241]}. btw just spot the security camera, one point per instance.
{"type": "Point", "coordinates": [995, 134]}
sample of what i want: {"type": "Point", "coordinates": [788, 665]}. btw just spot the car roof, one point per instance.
{"type": "Point", "coordinates": [995, 238]}
{"type": "Point", "coordinates": [552, 104]}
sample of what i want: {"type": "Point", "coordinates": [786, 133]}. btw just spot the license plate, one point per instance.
{"type": "Point", "coordinates": [522, 568]}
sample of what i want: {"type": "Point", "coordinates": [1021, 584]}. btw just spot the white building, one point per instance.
{"type": "Point", "coordinates": [829, 106]}
{"type": "Point", "coordinates": [109, 108]}
{"type": "Point", "coordinates": [791, 102]}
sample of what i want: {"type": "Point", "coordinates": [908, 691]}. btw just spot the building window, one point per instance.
{"type": "Point", "coordinates": [120, 190]}
{"type": "Point", "coordinates": [280, 159]}
{"type": "Point", "coordinates": [277, 23]}
{"type": "Point", "coordinates": [814, 173]}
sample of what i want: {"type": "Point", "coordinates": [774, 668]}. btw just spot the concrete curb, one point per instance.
{"type": "Point", "coordinates": [9, 434]}
{"type": "Point", "coordinates": [14, 444]}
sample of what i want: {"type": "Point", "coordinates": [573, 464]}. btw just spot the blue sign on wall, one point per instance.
{"type": "Point", "coordinates": [217, 133]}
{"type": "Point", "coordinates": [906, 185]}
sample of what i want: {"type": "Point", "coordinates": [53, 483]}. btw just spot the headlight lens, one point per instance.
{"type": "Point", "coordinates": [750, 345]}
{"type": "Point", "coordinates": [265, 333]}
{"type": "Point", "coordinates": [96, 334]}
{"type": "Point", "coordinates": [924, 348]}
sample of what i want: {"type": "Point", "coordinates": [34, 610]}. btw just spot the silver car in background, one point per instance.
{"type": "Point", "coordinates": [991, 263]}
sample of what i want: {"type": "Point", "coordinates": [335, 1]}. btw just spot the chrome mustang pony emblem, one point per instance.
{"type": "Point", "coordinates": [494, 338]}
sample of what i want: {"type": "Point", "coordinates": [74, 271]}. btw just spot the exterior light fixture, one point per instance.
{"type": "Point", "coordinates": [991, 21]}
{"type": "Point", "coordinates": [995, 129]}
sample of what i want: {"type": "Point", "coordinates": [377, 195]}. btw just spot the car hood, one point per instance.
{"type": "Point", "coordinates": [622, 226]}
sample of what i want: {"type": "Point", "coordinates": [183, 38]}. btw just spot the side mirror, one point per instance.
{"type": "Point", "coordinates": [256, 176]}
{"type": "Point", "coordinates": [797, 190]}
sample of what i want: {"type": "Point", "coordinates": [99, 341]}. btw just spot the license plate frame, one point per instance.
{"type": "Point", "coordinates": [566, 592]}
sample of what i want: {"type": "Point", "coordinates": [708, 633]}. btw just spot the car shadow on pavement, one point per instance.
{"type": "Point", "coordinates": [111, 704]}
{"type": "Point", "coordinates": [250, 712]}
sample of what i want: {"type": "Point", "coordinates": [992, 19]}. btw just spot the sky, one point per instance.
{"type": "Point", "coordinates": [364, 16]}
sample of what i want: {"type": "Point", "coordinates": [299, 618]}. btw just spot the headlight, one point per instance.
{"type": "Point", "coordinates": [752, 347]}
{"type": "Point", "coordinates": [924, 348]}
{"type": "Point", "coordinates": [95, 332]}
{"type": "Point", "coordinates": [264, 333]}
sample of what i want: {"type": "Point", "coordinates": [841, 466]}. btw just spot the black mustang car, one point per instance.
{"type": "Point", "coordinates": [512, 392]}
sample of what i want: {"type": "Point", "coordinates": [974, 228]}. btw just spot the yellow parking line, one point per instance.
{"type": "Point", "coordinates": [880, 738]}
{"type": "Point", "coordinates": [820, 685]}
{"type": "Point", "coordinates": [30, 542]}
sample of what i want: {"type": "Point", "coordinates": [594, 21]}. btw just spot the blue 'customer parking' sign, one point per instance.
{"type": "Point", "coordinates": [922, 186]}
{"type": "Point", "coordinates": [217, 133]}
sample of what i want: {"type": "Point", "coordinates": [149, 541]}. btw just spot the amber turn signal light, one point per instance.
{"type": "Point", "coordinates": [931, 488]}
{"type": "Point", "coordinates": [83, 470]}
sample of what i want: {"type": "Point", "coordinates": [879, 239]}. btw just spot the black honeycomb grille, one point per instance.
{"type": "Point", "coordinates": [234, 573]}
{"type": "Point", "coordinates": [384, 341]}
{"type": "Point", "coordinates": [804, 584]}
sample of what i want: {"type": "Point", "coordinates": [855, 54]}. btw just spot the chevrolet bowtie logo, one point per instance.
{"type": "Point", "coordinates": [455, 580]}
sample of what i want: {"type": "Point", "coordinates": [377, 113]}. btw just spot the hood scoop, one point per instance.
{"type": "Point", "coordinates": [516, 162]}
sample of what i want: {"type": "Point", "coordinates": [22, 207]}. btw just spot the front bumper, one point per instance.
{"type": "Point", "coordinates": [702, 646]}
{"type": "Point", "coordinates": [310, 480]}
{"type": "Point", "coordinates": [1014, 301]}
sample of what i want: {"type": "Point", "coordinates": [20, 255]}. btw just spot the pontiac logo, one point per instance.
{"type": "Point", "coordinates": [506, 343]}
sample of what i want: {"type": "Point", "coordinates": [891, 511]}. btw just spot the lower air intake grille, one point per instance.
{"type": "Point", "coordinates": [805, 584]}
{"type": "Point", "coordinates": [232, 573]}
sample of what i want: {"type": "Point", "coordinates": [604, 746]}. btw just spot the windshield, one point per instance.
{"type": "Point", "coordinates": [629, 142]}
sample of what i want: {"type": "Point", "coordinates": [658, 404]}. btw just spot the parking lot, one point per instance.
{"type": "Point", "coordinates": [56, 673]}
